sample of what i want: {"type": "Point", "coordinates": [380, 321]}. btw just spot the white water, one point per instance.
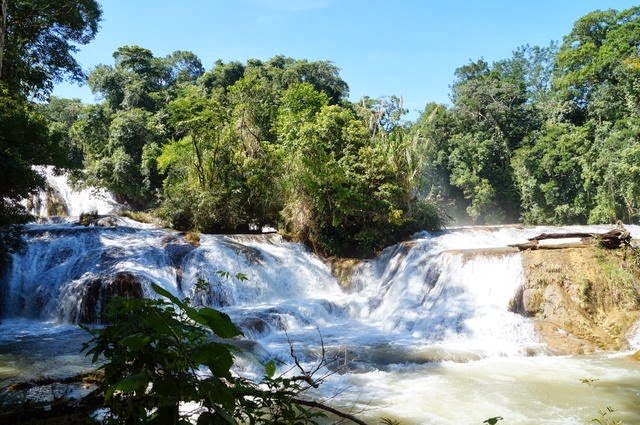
{"type": "Point", "coordinates": [76, 201]}
{"type": "Point", "coordinates": [424, 335]}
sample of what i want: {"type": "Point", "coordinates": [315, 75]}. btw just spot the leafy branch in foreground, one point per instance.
{"type": "Point", "coordinates": [168, 362]}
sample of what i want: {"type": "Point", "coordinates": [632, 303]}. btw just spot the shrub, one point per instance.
{"type": "Point", "coordinates": [156, 353]}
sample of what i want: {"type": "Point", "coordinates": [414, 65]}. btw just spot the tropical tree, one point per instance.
{"type": "Point", "coordinates": [38, 39]}
{"type": "Point", "coordinates": [37, 42]}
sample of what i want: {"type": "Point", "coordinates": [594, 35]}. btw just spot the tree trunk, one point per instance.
{"type": "Point", "coordinates": [615, 238]}
{"type": "Point", "coordinates": [4, 7]}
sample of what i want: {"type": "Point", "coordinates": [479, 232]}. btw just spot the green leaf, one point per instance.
{"type": "Point", "coordinates": [218, 392]}
{"type": "Point", "coordinates": [161, 291]}
{"type": "Point", "coordinates": [270, 369]}
{"type": "Point", "coordinates": [216, 357]}
{"type": "Point", "coordinates": [206, 418]}
{"type": "Point", "coordinates": [226, 416]}
{"type": "Point", "coordinates": [218, 322]}
{"type": "Point", "coordinates": [132, 383]}
{"type": "Point", "coordinates": [223, 274]}
{"type": "Point", "coordinates": [493, 421]}
{"type": "Point", "coordinates": [135, 342]}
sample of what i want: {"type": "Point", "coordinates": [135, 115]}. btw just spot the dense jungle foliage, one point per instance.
{"type": "Point", "coordinates": [245, 145]}
{"type": "Point", "coordinates": [549, 135]}
{"type": "Point", "coordinates": [37, 42]}
{"type": "Point", "coordinates": [154, 352]}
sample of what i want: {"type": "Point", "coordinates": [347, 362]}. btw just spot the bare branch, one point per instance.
{"type": "Point", "coordinates": [329, 409]}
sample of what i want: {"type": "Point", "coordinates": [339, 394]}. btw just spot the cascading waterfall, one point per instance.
{"type": "Point", "coordinates": [60, 198]}
{"type": "Point", "coordinates": [421, 317]}
{"type": "Point", "coordinates": [422, 291]}
{"type": "Point", "coordinates": [446, 298]}
{"type": "Point", "coordinates": [413, 290]}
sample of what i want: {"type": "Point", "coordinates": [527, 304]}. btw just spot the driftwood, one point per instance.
{"type": "Point", "coordinates": [613, 239]}
{"type": "Point", "coordinates": [322, 406]}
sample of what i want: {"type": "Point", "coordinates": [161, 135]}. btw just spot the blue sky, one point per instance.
{"type": "Point", "coordinates": [409, 48]}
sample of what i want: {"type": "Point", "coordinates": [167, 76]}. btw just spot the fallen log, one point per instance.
{"type": "Point", "coordinates": [534, 247]}
{"type": "Point", "coordinates": [613, 239]}
{"type": "Point", "coordinates": [544, 236]}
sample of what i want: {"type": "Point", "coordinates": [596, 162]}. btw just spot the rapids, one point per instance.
{"type": "Point", "coordinates": [422, 333]}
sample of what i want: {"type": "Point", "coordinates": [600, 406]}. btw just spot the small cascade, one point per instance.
{"type": "Point", "coordinates": [63, 265]}
{"type": "Point", "coordinates": [417, 332]}
{"type": "Point", "coordinates": [59, 198]}
{"type": "Point", "coordinates": [430, 295]}
{"type": "Point", "coordinates": [447, 298]}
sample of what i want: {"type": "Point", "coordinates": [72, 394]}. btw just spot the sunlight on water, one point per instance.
{"type": "Point", "coordinates": [423, 335]}
{"type": "Point", "coordinates": [523, 390]}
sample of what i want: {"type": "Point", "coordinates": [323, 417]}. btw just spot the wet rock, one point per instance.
{"type": "Point", "coordinates": [55, 204]}
{"type": "Point", "coordinates": [93, 219]}
{"type": "Point", "coordinates": [217, 295]}
{"type": "Point", "coordinates": [108, 221]}
{"type": "Point", "coordinates": [99, 291]}
{"type": "Point", "coordinates": [526, 302]}
{"type": "Point", "coordinates": [254, 325]}
{"type": "Point", "coordinates": [193, 238]}
{"type": "Point", "coordinates": [251, 254]}
{"type": "Point", "coordinates": [343, 269]}
{"type": "Point", "coordinates": [177, 251]}
{"type": "Point", "coordinates": [48, 202]}
{"type": "Point", "coordinates": [530, 301]}
{"type": "Point", "coordinates": [125, 284]}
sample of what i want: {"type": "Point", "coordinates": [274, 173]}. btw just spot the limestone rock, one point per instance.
{"type": "Point", "coordinates": [582, 299]}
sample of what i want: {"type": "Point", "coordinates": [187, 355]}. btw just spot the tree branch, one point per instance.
{"type": "Point", "coordinates": [321, 406]}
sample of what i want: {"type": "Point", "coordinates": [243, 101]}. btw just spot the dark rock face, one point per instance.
{"type": "Point", "coordinates": [99, 291]}
{"type": "Point", "coordinates": [177, 252]}
{"type": "Point", "coordinates": [55, 204]}
{"type": "Point", "coordinates": [252, 255]}
{"type": "Point", "coordinates": [177, 249]}
{"type": "Point", "coordinates": [49, 201]}
{"type": "Point", "coordinates": [254, 325]}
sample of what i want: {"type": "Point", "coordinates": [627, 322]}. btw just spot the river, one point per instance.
{"type": "Point", "coordinates": [422, 334]}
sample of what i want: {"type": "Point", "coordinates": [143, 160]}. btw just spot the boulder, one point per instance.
{"type": "Point", "coordinates": [99, 291]}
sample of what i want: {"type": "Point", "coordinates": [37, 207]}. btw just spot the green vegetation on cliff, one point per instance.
{"type": "Point", "coordinates": [242, 146]}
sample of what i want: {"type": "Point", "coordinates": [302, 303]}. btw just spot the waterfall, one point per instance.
{"type": "Point", "coordinates": [423, 329]}
{"type": "Point", "coordinates": [59, 198]}
{"type": "Point", "coordinates": [447, 298]}
{"type": "Point", "coordinates": [425, 292]}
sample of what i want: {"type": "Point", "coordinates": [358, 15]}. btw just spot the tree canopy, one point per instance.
{"type": "Point", "coordinates": [40, 38]}
{"type": "Point", "coordinates": [247, 145]}
{"type": "Point", "coordinates": [548, 135]}
{"type": "Point", "coordinates": [37, 41]}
